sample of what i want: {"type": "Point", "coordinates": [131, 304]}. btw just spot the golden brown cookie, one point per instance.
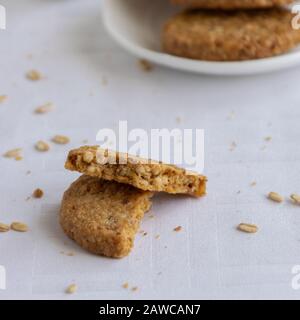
{"type": "Point", "coordinates": [230, 36]}
{"type": "Point", "coordinates": [231, 4]}
{"type": "Point", "coordinates": [154, 176]}
{"type": "Point", "coordinates": [102, 216]}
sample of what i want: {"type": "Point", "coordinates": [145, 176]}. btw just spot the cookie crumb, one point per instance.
{"type": "Point", "coordinates": [233, 145]}
{"type": "Point", "coordinates": [231, 115]}
{"type": "Point", "coordinates": [295, 198]}
{"type": "Point", "coordinates": [125, 285]}
{"type": "Point", "coordinates": [157, 236]}
{"type": "Point", "coordinates": [19, 226]}
{"type": "Point", "coordinates": [253, 184]}
{"type": "Point", "coordinates": [3, 98]}
{"type": "Point", "coordinates": [104, 81]}
{"type": "Point", "coordinates": [274, 196]}
{"type": "Point", "coordinates": [145, 65]}
{"type": "Point", "coordinates": [42, 146]}
{"type": "Point", "coordinates": [134, 289]}
{"type": "Point", "coordinates": [33, 75]}
{"type": "Point", "coordinates": [38, 193]}
{"type": "Point", "coordinates": [248, 228]}
{"type": "Point", "coordinates": [177, 229]}
{"type": "Point", "coordinates": [14, 154]}
{"type": "Point", "coordinates": [59, 139]}
{"type": "Point", "coordinates": [145, 233]}
{"type": "Point", "coordinates": [70, 254]}
{"type": "Point", "coordinates": [72, 288]}
{"type": "Point", "coordinates": [45, 108]}
{"type": "Point", "coordinates": [4, 227]}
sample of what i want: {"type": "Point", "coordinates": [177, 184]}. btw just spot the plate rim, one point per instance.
{"type": "Point", "coordinates": [233, 68]}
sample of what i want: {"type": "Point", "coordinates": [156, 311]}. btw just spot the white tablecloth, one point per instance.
{"type": "Point", "coordinates": [66, 42]}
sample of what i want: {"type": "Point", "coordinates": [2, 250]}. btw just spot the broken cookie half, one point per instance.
{"type": "Point", "coordinates": [103, 209]}
{"type": "Point", "coordinates": [141, 173]}
{"type": "Point", "coordinates": [102, 216]}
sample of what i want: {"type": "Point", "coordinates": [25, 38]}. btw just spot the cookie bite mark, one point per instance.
{"type": "Point", "coordinates": [103, 217]}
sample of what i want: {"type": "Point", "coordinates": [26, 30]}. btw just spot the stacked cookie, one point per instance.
{"type": "Point", "coordinates": [230, 30]}
{"type": "Point", "coordinates": [102, 210]}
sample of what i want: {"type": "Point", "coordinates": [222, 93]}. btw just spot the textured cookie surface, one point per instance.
{"type": "Point", "coordinates": [102, 216]}
{"type": "Point", "coordinates": [231, 4]}
{"type": "Point", "coordinates": [135, 171]}
{"type": "Point", "coordinates": [230, 36]}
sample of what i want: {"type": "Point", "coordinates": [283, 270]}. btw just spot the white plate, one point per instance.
{"type": "Point", "coordinates": [136, 26]}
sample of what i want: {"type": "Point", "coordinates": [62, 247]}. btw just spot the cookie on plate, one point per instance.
{"type": "Point", "coordinates": [102, 216]}
{"type": "Point", "coordinates": [215, 35]}
{"type": "Point", "coordinates": [138, 172]}
{"type": "Point", "coordinates": [231, 4]}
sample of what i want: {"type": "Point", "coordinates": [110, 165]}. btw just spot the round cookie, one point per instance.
{"type": "Point", "coordinates": [231, 4]}
{"type": "Point", "coordinates": [102, 216]}
{"type": "Point", "coordinates": [230, 36]}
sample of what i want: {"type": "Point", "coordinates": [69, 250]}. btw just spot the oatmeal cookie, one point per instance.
{"type": "Point", "coordinates": [231, 4]}
{"type": "Point", "coordinates": [215, 35]}
{"type": "Point", "coordinates": [138, 172]}
{"type": "Point", "coordinates": [102, 216]}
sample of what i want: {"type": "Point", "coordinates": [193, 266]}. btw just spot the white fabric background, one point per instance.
{"type": "Point", "coordinates": [209, 258]}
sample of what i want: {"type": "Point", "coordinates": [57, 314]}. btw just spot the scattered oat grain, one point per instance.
{"type": "Point", "coordinates": [145, 65]}
{"type": "Point", "coordinates": [14, 154]}
{"type": "Point", "coordinates": [19, 226]}
{"type": "Point", "coordinates": [157, 236]}
{"type": "Point", "coordinates": [134, 289]}
{"type": "Point", "coordinates": [274, 196]}
{"type": "Point", "coordinates": [59, 139]}
{"type": "Point", "coordinates": [70, 254]}
{"type": "Point", "coordinates": [38, 193]}
{"type": "Point", "coordinates": [33, 75]}
{"type": "Point", "coordinates": [45, 108]}
{"type": "Point", "coordinates": [295, 198]}
{"type": "Point", "coordinates": [4, 227]}
{"type": "Point", "coordinates": [3, 98]}
{"type": "Point", "coordinates": [72, 288]}
{"type": "Point", "coordinates": [125, 285]}
{"type": "Point", "coordinates": [249, 228]}
{"type": "Point", "coordinates": [253, 184]}
{"type": "Point", "coordinates": [42, 146]}
{"type": "Point", "coordinates": [177, 229]}
{"type": "Point", "coordinates": [268, 139]}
